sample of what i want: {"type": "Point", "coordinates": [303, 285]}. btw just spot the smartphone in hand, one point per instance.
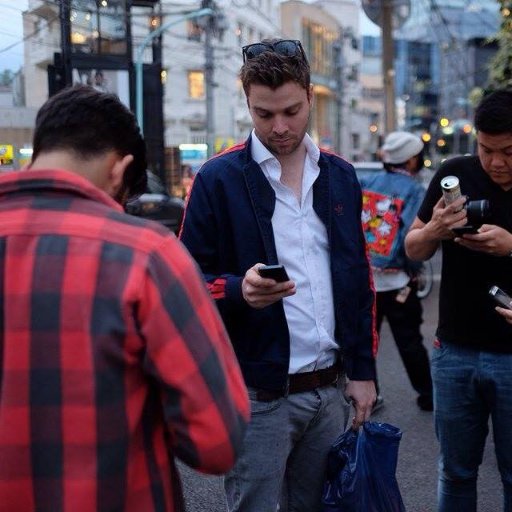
{"type": "Point", "coordinates": [275, 272]}
{"type": "Point", "coordinates": [503, 300]}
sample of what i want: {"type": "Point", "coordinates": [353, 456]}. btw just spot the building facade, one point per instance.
{"type": "Point", "coordinates": [355, 119]}
{"type": "Point", "coordinates": [440, 56]}
{"type": "Point", "coordinates": [319, 34]}
{"type": "Point", "coordinates": [184, 56]}
{"type": "Point", "coordinates": [372, 95]}
{"type": "Point", "coordinates": [328, 29]}
{"type": "Point", "coordinates": [41, 32]}
{"type": "Point", "coordinates": [458, 33]}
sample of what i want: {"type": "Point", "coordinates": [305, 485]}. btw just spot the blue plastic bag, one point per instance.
{"type": "Point", "coordinates": [361, 471]}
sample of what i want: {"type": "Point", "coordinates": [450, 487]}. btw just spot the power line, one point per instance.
{"type": "Point", "coordinates": [457, 58]}
{"type": "Point", "coordinates": [18, 9]}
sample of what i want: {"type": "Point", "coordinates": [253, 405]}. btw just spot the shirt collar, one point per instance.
{"type": "Point", "coordinates": [261, 154]}
{"type": "Point", "coordinates": [53, 179]}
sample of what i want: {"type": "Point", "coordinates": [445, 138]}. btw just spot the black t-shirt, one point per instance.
{"type": "Point", "coordinates": [466, 312]}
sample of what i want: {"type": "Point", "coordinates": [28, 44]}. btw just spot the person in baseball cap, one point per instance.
{"type": "Point", "coordinates": [390, 202]}
{"type": "Point", "coordinates": [402, 150]}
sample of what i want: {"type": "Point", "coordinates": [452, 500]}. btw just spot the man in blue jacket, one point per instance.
{"type": "Point", "coordinates": [390, 202]}
{"type": "Point", "coordinates": [279, 199]}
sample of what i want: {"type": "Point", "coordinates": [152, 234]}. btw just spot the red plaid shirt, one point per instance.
{"type": "Point", "coordinates": [112, 356]}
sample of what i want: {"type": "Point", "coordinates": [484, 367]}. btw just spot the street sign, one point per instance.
{"type": "Point", "coordinates": [194, 155]}
{"type": "Point", "coordinates": [401, 10]}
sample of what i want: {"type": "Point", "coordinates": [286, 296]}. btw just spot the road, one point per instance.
{"type": "Point", "coordinates": [417, 463]}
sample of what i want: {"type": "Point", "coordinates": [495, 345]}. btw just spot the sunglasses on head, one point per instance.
{"type": "Point", "coordinates": [285, 47]}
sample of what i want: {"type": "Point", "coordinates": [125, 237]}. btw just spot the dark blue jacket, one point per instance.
{"type": "Point", "coordinates": [228, 228]}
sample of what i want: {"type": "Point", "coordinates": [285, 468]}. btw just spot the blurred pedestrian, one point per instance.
{"type": "Point", "coordinates": [390, 202]}
{"type": "Point", "coordinates": [114, 360]}
{"type": "Point", "coordinates": [472, 356]}
{"type": "Point", "coordinates": [279, 199]}
{"type": "Point", "coordinates": [100, 82]}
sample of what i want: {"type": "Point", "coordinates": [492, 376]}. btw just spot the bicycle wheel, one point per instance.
{"type": "Point", "coordinates": [425, 279]}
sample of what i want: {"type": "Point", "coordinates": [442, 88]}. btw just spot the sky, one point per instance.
{"type": "Point", "coordinates": [11, 32]}
{"type": "Point", "coordinates": [368, 28]}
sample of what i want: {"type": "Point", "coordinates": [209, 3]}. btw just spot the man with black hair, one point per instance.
{"type": "Point", "coordinates": [472, 356]}
{"type": "Point", "coordinates": [113, 358]}
{"type": "Point", "coordinates": [390, 202]}
{"type": "Point", "coordinates": [279, 199]}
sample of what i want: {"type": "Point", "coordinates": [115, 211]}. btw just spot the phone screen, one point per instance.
{"type": "Point", "coordinates": [500, 297]}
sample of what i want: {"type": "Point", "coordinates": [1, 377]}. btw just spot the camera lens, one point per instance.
{"type": "Point", "coordinates": [478, 211]}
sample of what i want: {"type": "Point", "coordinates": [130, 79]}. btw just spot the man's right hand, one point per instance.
{"type": "Point", "coordinates": [422, 240]}
{"type": "Point", "coordinates": [445, 217]}
{"type": "Point", "coordinates": [260, 292]}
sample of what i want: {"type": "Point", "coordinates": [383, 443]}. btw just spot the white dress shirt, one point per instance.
{"type": "Point", "coordinates": [303, 248]}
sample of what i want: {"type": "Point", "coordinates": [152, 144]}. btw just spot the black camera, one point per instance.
{"type": "Point", "coordinates": [477, 212]}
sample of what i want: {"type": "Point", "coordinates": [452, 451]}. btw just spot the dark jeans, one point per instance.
{"type": "Point", "coordinates": [471, 387]}
{"type": "Point", "coordinates": [405, 323]}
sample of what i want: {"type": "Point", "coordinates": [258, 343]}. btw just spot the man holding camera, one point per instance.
{"type": "Point", "coordinates": [472, 356]}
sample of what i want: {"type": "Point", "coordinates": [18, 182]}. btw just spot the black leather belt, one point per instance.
{"type": "Point", "coordinates": [301, 382]}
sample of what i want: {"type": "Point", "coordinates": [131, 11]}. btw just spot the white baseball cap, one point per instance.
{"type": "Point", "coordinates": [398, 147]}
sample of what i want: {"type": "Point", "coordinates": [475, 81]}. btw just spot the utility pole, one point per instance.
{"type": "Point", "coordinates": [210, 84]}
{"type": "Point", "coordinates": [388, 70]}
{"type": "Point", "coordinates": [65, 40]}
{"type": "Point", "coordinates": [213, 25]}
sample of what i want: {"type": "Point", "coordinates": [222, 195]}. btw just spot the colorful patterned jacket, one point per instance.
{"type": "Point", "coordinates": [390, 203]}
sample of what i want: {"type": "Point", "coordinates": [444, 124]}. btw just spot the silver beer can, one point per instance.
{"type": "Point", "coordinates": [451, 189]}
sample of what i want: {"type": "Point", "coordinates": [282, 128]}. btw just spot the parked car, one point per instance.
{"type": "Point", "coordinates": [157, 204]}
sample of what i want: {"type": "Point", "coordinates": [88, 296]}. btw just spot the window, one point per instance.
{"type": "Point", "coordinates": [196, 84]}
{"type": "Point", "coordinates": [318, 42]}
{"type": "Point", "coordinates": [98, 27]}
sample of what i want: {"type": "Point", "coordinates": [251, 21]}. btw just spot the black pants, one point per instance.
{"type": "Point", "coordinates": [405, 321]}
